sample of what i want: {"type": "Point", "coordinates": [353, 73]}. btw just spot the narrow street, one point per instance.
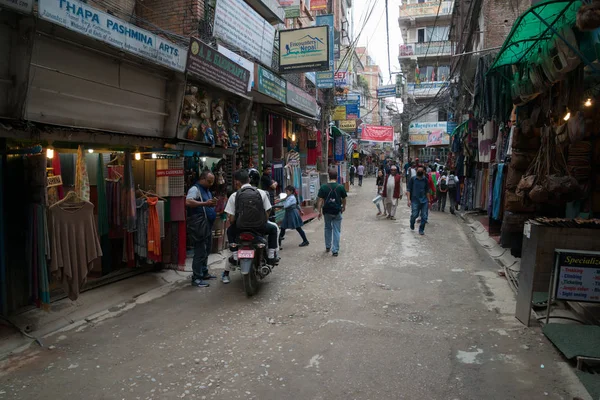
{"type": "Point", "coordinates": [395, 316]}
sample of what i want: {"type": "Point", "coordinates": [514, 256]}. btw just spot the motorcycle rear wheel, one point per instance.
{"type": "Point", "coordinates": [251, 282]}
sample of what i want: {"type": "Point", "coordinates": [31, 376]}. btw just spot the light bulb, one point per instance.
{"type": "Point", "coordinates": [588, 103]}
{"type": "Point", "coordinates": [50, 153]}
{"type": "Point", "coordinates": [138, 156]}
{"type": "Point", "coordinates": [154, 155]}
{"type": "Point", "coordinates": [90, 151]}
{"type": "Point", "coordinates": [293, 137]}
{"type": "Point", "coordinates": [567, 116]}
{"type": "Point", "coordinates": [203, 159]}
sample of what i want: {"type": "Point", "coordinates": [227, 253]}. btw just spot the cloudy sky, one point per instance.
{"type": "Point", "coordinates": [374, 34]}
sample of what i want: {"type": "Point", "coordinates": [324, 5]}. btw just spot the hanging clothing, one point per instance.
{"type": "Point", "coordinates": [141, 232]}
{"type": "Point", "coordinates": [103, 227]}
{"type": "Point", "coordinates": [497, 196]}
{"type": "Point", "coordinates": [57, 171]}
{"type": "Point", "coordinates": [160, 208]}
{"type": "Point", "coordinates": [74, 245]}
{"type": "Point", "coordinates": [128, 196]}
{"type": "Point", "coordinates": [82, 180]}
{"type": "Point", "coordinates": [154, 247]}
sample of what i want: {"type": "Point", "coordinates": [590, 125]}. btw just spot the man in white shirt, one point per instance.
{"type": "Point", "coordinates": [361, 174]}
{"type": "Point", "coordinates": [242, 180]}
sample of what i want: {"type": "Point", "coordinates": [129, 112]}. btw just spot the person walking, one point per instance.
{"type": "Point", "coordinates": [452, 189]}
{"type": "Point", "coordinates": [352, 173]}
{"type": "Point", "coordinates": [442, 192]}
{"type": "Point", "coordinates": [379, 183]}
{"type": "Point", "coordinates": [267, 183]}
{"type": "Point", "coordinates": [201, 215]}
{"type": "Point", "coordinates": [292, 219]}
{"type": "Point", "coordinates": [361, 173]}
{"type": "Point", "coordinates": [332, 204]}
{"type": "Point", "coordinates": [392, 192]}
{"type": "Point", "coordinates": [418, 199]}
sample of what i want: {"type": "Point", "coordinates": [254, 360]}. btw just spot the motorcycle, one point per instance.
{"type": "Point", "coordinates": [252, 258]}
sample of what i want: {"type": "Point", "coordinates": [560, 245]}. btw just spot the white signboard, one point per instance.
{"type": "Point", "coordinates": [91, 22]}
{"type": "Point", "coordinates": [24, 6]}
{"type": "Point", "coordinates": [237, 24]}
{"type": "Point", "coordinates": [241, 61]}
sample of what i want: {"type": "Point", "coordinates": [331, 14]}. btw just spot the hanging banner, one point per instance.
{"type": "Point", "coordinates": [435, 138]}
{"type": "Point", "coordinates": [318, 5]}
{"type": "Point", "coordinates": [418, 132]}
{"type": "Point", "coordinates": [291, 8]}
{"type": "Point", "coordinates": [339, 148]}
{"type": "Point", "coordinates": [24, 6]}
{"type": "Point", "coordinates": [325, 80]}
{"type": "Point", "coordinates": [89, 21]}
{"type": "Point", "coordinates": [339, 113]}
{"type": "Point", "coordinates": [238, 25]}
{"type": "Point", "coordinates": [376, 133]}
{"type": "Point", "coordinates": [341, 79]}
{"type": "Point", "coordinates": [348, 125]}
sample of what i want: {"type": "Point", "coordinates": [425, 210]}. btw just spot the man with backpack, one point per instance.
{"type": "Point", "coordinates": [352, 173]}
{"type": "Point", "coordinates": [248, 210]}
{"type": "Point", "coordinates": [332, 204]}
{"type": "Point", "coordinates": [442, 192]}
{"type": "Point", "coordinates": [452, 187]}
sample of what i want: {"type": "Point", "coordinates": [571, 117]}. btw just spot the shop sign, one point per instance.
{"type": "Point", "coordinates": [271, 84]}
{"type": "Point", "coordinates": [239, 60]}
{"type": "Point", "coordinates": [301, 100]}
{"type": "Point", "coordinates": [238, 25]}
{"type": "Point", "coordinates": [425, 89]}
{"type": "Point", "coordinates": [169, 172]}
{"type": "Point", "coordinates": [24, 6]}
{"type": "Point", "coordinates": [318, 5]}
{"type": "Point", "coordinates": [341, 78]}
{"type": "Point", "coordinates": [291, 8]}
{"type": "Point", "coordinates": [577, 277]}
{"type": "Point", "coordinates": [418, 132]}
{"type": "Point", "coordinates": [325, 79]}
{"type": "Point", "coordinates": [54, 180]}
{"type": "Point", "coordinates": [348, 125]}
{"type": "Point", "coordinates": [376, 133]}
{"type": "Point", "coordinates": [352, 111]}
{"type": "Point", "coordinates": [209, 65]}
{"type": "Point", "coordinates": [386, 91]}
{"type": "Point", "coordinates": [339, 113]}
{"type": "Point", "coordinates": [305, 49]}
{"type": "Point", "coordinates": [91, 22]}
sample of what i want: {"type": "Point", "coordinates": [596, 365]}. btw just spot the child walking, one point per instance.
{"type": "Point", "coordinates": [292, 219]}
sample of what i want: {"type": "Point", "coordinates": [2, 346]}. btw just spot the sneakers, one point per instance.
{"type": "Point", "coordinates": [209, 277]}
{"type": "Point", "coordinates": [327, 250]}
{"type": "Point", "coordinates": [225, 278]}
{"type": "Point", "coordinates": [421, 233]}
{"type": "Point", "coordinates": [199, 283]}
{"type": "Point", "coordinates": [412, 227]}
{"type": "Point", "coordinates": [304, 244]}
{"type": "Point", "coordinates": [335, 254]}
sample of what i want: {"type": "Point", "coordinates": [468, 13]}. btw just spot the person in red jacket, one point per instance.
{"type": "Point", "coordinates": [392, 191]}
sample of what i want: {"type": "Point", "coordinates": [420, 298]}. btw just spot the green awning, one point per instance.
{"type": "Point", "coordinates": [529, 32]}
{"type": "Point", "coordinates": [338, 132]}
{"type": "Point", "coordinates": [459, 128]}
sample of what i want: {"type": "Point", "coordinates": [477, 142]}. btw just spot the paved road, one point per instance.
{"type": "Point", "coordinates": [396, 316]}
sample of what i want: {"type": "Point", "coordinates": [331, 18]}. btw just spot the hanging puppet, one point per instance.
{"type": "Point", "coordinates": [233, 118]}
{"type": "Point", "coordinates": [221, 134]}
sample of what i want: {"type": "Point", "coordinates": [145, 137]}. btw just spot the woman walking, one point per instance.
{"type": "Point", "coordinates": [292, 219]}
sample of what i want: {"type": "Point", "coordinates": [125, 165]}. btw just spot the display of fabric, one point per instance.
{"type": "Point", "coordinates": [82, 181]}
{"type": "Point", "coordinates": [36, 178]}
{"type": "Point", "coordinates": [177, 206]}
{"type": "Point", "coordinates": [38, 256]}
{"type": "Point", "coordinates": [74, 245]}
{"type": "Point", "coordinates": [160, 208]}
{"type": "Point", "coordinates": [154, 246]}
{"type": "Point", "coordinates": [579, 161]}
{"type": "Point", "coordinates": [162, 182]}
{"type": "Point", "coordinates": [176, 183]}
{"type": "Point", "coordinates": [141, 232]}
{"type": "Point", "coordinates": [103, 227]}
{"type": "Point", "coordinates": [113, 202]}
{"type": "Point", "coordinates": [497, 194]}
{"type": "Point", "coordinates": [128, 195]}
{"type": "Point", "coordinates": [56, 170]}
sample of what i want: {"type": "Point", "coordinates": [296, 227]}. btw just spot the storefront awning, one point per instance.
{"type": "Point", "coordinates": [459, 129]}
{"type": "Point", "coordinates": [533, 28]}
{"type": "Point", "coordinates": [338, 132]}
{"type": "Point", "coordinates": [289, 112]}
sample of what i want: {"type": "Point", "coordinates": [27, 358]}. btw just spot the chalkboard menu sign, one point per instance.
{"type": "Point", "coordinates": [577, 276]}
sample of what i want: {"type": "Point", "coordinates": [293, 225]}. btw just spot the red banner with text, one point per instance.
{"type": "Point", "coordinates": [376, 133]}
{"type": "Point", "coordinates": [318, 5]}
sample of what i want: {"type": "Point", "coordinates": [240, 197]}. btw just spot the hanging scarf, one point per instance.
{"type": "Point", "coordinates": [102, 206]}
{"type": "Point", "coordinates": [154, 244]}
{"type": "Point", "coordinates": [57, 171]}
{"type": "Point", "coordinates": [82, 181]}
{"type": "Point", "coordinates": [128, 197]}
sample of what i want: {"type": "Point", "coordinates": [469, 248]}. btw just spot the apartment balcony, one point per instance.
{"type": "Point", "coordinates": [425, 10]}
{"type": "Point", "coordinates": [426, 49]}
{"type": "Point", "coordinates": [425, 90]}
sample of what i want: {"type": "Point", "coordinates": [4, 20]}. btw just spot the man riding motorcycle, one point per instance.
{"type": "Point", "coordinates": [237, 215]}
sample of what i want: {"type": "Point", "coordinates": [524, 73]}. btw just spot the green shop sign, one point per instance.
{"type": "Point", "coordinates": [271, 84]}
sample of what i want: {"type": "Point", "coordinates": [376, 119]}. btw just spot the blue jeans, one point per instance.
{"type": "Point", "coordinates": [200, 262]}
{"type": "Point", "coordinates": [416, 209]}
{"type": "Point", "coordinates": [333, 227]}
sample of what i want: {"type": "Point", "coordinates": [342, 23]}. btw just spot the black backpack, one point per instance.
{"type": "Point", "coordinates": [250, 212]}
{"type": "Point", "coordinates": [332, 205]}
{"type": "Point", "coordinates": [444, 185]}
